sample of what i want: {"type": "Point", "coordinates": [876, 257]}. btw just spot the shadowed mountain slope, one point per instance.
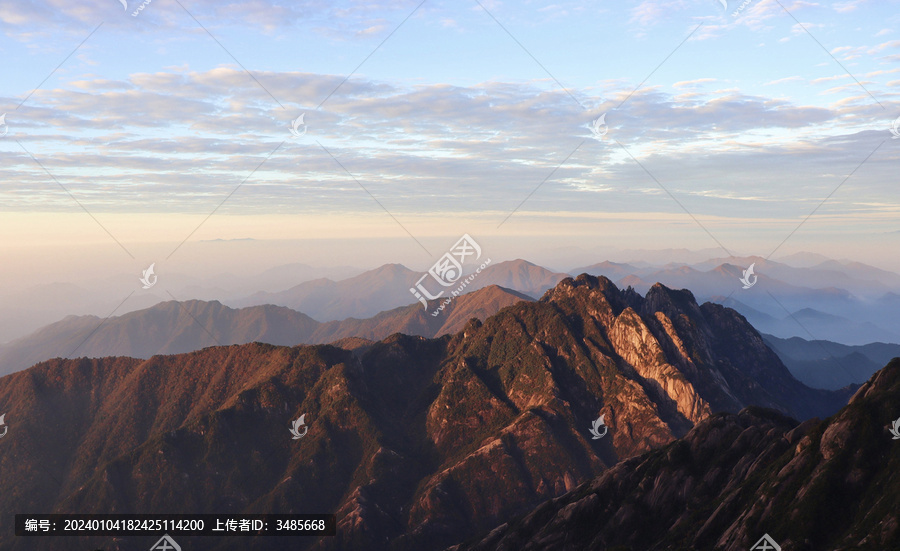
{"type": "Point", "coordinates": [830, 485]}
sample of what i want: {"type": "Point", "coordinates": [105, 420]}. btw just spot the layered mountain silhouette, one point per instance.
{"type": "Point", "coordinates": [812, 323]}
{"type": "Point", "coordinates": [27, 309]}
{"type": "Point", "coordinates": [850, 303]}
{"type": "Point", "coordinates": [825, 364]}
{"type": "Point", "coordinates": [387, 287]}
{"type": "Point", "coordinates": [717, 275]}
{"type": "Point", "coordinates": [732, 479]}
{"type": "Point", "coordinates": [177, 327]}
{"type": "Point", "coordinates": [804, 295]}
{"type": "Point", "coordinates": [414, 443]}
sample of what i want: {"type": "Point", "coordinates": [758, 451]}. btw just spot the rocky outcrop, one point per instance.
{"type": "Point", "coordinates": [810, 486]}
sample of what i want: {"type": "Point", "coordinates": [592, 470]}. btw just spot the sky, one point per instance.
{"type": "Point", "coordinates": [135, 133]}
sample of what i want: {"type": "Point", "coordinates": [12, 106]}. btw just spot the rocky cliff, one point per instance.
{"type": "Point", "coordinates": [811, 486]}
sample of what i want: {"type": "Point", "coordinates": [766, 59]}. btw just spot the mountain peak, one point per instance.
{"type": "Point", "coordinates": [663, 298]}
{"type": "Point", "coordinates": [601, 283]}
{"type": "Point", "coordinates": [519, 262]}
{"type": "Point", "coordinates": [586, 288]}
{"type": "Point", "coordinates": [386, 272]}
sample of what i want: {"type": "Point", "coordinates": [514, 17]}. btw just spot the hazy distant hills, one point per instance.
{"type": "Point", "coordinates": [388, 287]}
{"type": "Point", "coordinates": [772, 306]}
{"type": "Point", "coordinates": [166, 328]}
{"type": "Point", "coordinates": [825, 364]}
{"type": "Point", "coordinates": [850, 303]}
{"type": "Point", "coordinates": [416, 320]}
{"type": "Point", "coordinates": [829, 485]}
{"type": "Point", "coordinates": [813, 324]}
{"type": "Point", "coordinates": [360, 296]}
{"type": "Point", "coordinates": [847, 302]}
{"type": "Point", "coordinates": [724, 280]}
{"type": "Point", "coordinates": [415, 445]}
{"type": "Point", "coordinates": [853, 277]}
{"type": "Point", "coordinates": [30, 309]}
{"type": "Point", "coordinates": [521, 275]}
{"type": "Point", "coordinates": [26, 310]}
{"type": "Point", "coordinates": [177, 327]}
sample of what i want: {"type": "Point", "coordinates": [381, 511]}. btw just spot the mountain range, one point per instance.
{"type": "Point", "coordinates": [414, 443]}
{"type": "Point", "coordinates": [803, 295]}
{"type": "Point", "coordinates": [388, 287]}
{"type": "Point", "coordinates": [853, 277]}
{"type": "Point", "coordinates": [173, 327]}
{"type": "Point", "coordinates": [30, 308]}
{"type": "Point", "coordinates": [177, 327]}
{"type": "Point", "coordinates": [850, 303]}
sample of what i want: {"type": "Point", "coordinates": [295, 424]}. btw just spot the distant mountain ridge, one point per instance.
{"type": "Point", "coordinates": [850, 303]}
{"type": "Point", "coordinates": [387, 287]}
{"type": "Point", "coordinates": [829, 365]}
{"type": "Point", "coordinates": [851, 291]}
{"type": "Point", "coordinates": [177, 330]}
{"type": "Point", "coordinates": [179, 327]}
{"type": "Point", "coordinates": [27, 310]}
{"type": "Point", "coordinates": [414, 443]}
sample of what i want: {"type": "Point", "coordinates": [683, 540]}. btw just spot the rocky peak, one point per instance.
{"type": "Point", "coordinates": [587, 289]}
{"type": "Point", "coordinates": [660, 298]}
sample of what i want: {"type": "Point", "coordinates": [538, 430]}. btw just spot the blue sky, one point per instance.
{"type": "Point", "coordinates": [725, 127]}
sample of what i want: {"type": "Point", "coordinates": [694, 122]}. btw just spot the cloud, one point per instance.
{"type": "Point", "coordinates": [266, 16]}
{"type": "Point", "coordinates": [181, 132]}
{"type": "Point", "coordinates": [372, 30]}
{"type": "Point", "coordinates": [847, 7]}
{"type": "Point", "coordinates": [182, 141]}
{"type": "Point", "coordinates": [783, 80]}
{"type": "Point", "coordinates": [691, 83]}
{"type": "Point", "coordinates": [651, 12]}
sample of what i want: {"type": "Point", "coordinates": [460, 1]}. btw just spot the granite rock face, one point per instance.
{"type": "Point", "coordinates": [810, 486]}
